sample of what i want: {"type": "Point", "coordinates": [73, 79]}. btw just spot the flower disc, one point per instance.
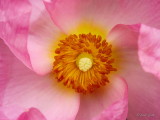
{"type": "Point", "coordinates": [83, 62]}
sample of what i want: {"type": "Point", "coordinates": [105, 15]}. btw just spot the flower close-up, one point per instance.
{"type": "Point", "coordinates": [79, 59]}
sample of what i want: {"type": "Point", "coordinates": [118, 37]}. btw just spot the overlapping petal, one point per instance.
{"type": "Point", "coordinates": [32, 114]}
{"type": "Point", "coordinates": [24, 89]}
{"type": "Point", "coordinates": [30, 33]}
{"type": "Point", "coordinates": [149, 49]}
{"type": "Point", "coordinates": [14, 22]}
{"type": "Point", "coordinates": [42, 37]}
{"type": "Point", "coordinates": [41, 43]}
{"type": "Point", "coordinates": [116, 111]}
{"type": "Point", "coordinates": [113, 98]}
{"type": "Point", "coordinates": [4, 61]}
{"type": "Point", "coordinates": [143, 87]}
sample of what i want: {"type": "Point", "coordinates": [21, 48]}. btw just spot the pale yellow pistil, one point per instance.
{"type": "Point", "coordinates": [84, 61]}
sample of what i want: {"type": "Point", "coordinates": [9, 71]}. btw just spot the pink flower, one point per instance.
{"type": "Point", "coordinates": [30, 32]}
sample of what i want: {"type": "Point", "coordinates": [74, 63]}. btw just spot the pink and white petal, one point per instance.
{"type": "Point", "coordinates": [24, 89]}
{"type": "Point", "coordinates": [149, 49]}
{"type": "Point", "coordinates": [32, 114]}
{"type": "Point", "coordinates": [42, 38]}
{"type": "Point", "coordinates": [95, 105]}
{"type": "Point", "coordinates": [14, 22]}
{"type": "Point", "coordinates": [105, 13]}
{"type": "Point", "coordinates": [143, 87]}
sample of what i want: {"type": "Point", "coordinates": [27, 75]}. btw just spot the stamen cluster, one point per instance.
{"type": "Point", "coordinates": [66, 70]}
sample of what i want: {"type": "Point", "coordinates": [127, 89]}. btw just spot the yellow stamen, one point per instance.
{"type": "Point", "coordinates": [83, 62]}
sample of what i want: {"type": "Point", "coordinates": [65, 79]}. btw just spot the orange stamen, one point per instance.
{"type": "Point", "coordinates": [83, 62]}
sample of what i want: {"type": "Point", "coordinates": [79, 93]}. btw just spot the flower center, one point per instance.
{"type": "Point", "coordinates": [83, 62]}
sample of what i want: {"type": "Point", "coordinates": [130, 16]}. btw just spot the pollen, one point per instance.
{"type": "Point", "coordinates": [83, 62]}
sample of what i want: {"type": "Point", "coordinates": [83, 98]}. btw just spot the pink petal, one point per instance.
{"type": "Point", "coordinates": [68, 14]}
{"type": "Point", "coordinates": [24, 89]}
{"type": "Point", "coordinates": [2, 116]}
{"type": "Point", "coordinates": [5, 60]}
{"type": "Point", "coordinates": [117, 111]}
{"type": "Point", "coordinates": [124, 37]}
{"type": "Point", "coordinates": [111, 98]}
{"type": "Point", "coordinates": [143, 87]}
{"type": "Point", "coordinates": [32, 40]}
{"type": "Point", "coordinates": [32, 114]}
{"type": "Point", "coordinates": [11, 112]}
{"type": "Point", "coordinates": [37, 9]}
{"type": "Point", "coordinates": [14, 22]}
{"type": "Point", "coordinates": [3, 70]}
{"type": "Point", "coordinates": [149, 49]}
{"type": "Point", "coordinates": [41, 40]}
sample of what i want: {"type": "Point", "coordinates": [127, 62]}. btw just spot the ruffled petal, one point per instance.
{"type": "Point", "coordinates": [149, 49]}
{"type": "Point", "coordinates": [113, 98]}
{"type": "Point", "coordinates": [32, 114]}
{"type": "Point", "coordinates": [105, 13]}
{"type": "Point", "coordinates": [24, 89]}
{"type": "Point", "coordinates": [143, 87]}
{"type": "Point", "coordinates": [14, 22]}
